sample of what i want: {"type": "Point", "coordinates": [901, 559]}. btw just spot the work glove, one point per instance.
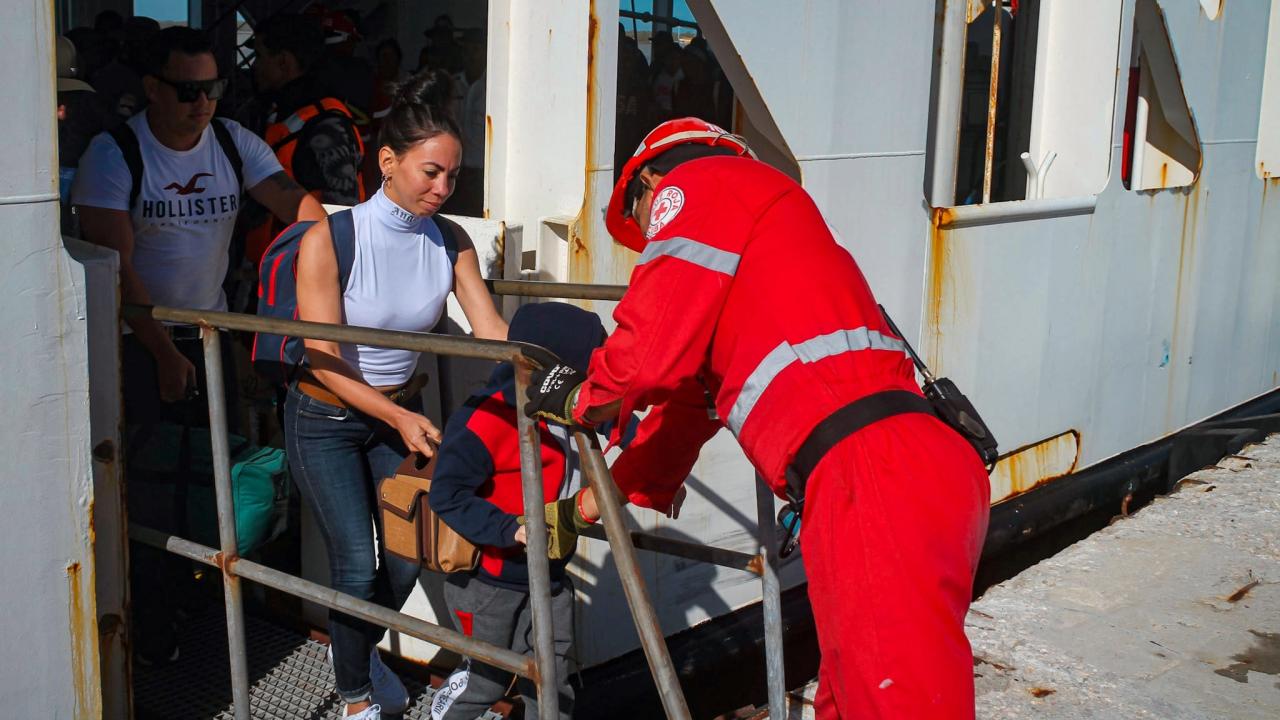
{"type": "Point", "coordinates": [564, 523]}
{"type": "Point", "coordinates": [552, 393]}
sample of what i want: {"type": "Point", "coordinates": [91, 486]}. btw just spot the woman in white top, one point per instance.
{"type": "Point", "coordinates": [354, 414]}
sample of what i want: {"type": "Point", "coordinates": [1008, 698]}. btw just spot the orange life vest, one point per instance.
{"type": "Point", "coordinates": [282, 136]}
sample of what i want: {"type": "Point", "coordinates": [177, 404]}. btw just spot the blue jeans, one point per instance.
{"type": "Point", "coordinates": [338, 455]}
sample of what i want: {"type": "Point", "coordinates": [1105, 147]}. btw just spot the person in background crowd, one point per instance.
{"type": "Point", "coordinates": [449, 55]}
{"type": "Point", "coordinates": [666, 74]}
{"type": "Point", "coordinates": [81, 112]}
{"type": "Point", "coordinates": [388, 58]}
{"type": "Point", "coordinates": [354, 413]}
{"type": "Point", "coordinates": [694, 96]}
{"type": "Point", "coordinates": [312, 133]}
{"type": "Point", "coordinates": [635, 100]}
{"type": "Point", "coordinates": [108, 21]}
{"type": "Point", "coordinates": [388, 74]}
{"type": "Point", "coordinates": [119, 82]}
{"type": "Point", "coordinates": [468, 199]}
{"type": "Point", "coordinates": [349, 77]}
{"type": "Point", "coordinates": [163, 190]}
{"type": "Point", "coordinates": [81, 116]}
{"type": "Point", "coordinates": [94, 50]}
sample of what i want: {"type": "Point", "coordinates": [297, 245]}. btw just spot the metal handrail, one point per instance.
{"type": "Point", "coordinates": [541, 670]}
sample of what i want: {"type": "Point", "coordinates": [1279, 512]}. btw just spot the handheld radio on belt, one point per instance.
{"type": "Point", "coordinates": [951, 406]}
{"type": "Point", "coordinates": [941, 398]}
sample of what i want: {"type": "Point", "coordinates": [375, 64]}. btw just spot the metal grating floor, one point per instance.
{"type": "Point", "coordinates": [289, 675]}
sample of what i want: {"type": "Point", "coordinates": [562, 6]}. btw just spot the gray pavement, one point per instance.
{"type": "Point", "coordinates": [1171, 613]}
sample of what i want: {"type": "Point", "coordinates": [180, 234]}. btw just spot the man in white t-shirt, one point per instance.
{"type": "Point", "coordinates": [164, 191]}
{"type": "Point", "coordinates": [173, 228]}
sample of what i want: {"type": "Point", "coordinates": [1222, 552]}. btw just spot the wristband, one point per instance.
{"type": "Point", "coordinates": [582, 516]}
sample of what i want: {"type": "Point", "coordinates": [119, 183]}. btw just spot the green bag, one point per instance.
{"type": "Point", "coordinates": [170, 485]}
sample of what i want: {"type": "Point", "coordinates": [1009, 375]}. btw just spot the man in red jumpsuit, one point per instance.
{"type": "Point", "coordinates": [742, 295]}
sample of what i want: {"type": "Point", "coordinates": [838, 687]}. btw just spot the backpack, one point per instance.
{"type": "Point", "coordinates": [128, 143]}
{"type": "Point", "coordinates": [171, 485]}
{"type": "Point", "coordinates": [276, 356]}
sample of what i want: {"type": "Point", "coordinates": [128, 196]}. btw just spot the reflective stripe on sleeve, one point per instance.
{"type": "Point", "coordinates": [809, 351]}
{"type": "Point", "coordinates": [700, 254]}
{"type": "Point", "coordinates": [294, 123]}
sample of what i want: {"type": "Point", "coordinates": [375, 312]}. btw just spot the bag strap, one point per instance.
{"type": "Point", "coordinates": [342, 231]}
{"type": "Point", "coordinates": [449, 231]}
{"type": "Point", "coordinates": [223, 134]}
{"type": "Point", "coordinates": [127, 141]}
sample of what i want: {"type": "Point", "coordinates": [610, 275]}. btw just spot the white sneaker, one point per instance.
{"type": "Point", "coordinates": [373, 712]}
{"type": "Point", "coordinates": [388, 690]}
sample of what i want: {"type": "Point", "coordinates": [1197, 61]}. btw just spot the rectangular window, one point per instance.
{"type": "Point", "coordinates": [1161, 144]}
{"type": "Point", "coordinates": [1038, 99]}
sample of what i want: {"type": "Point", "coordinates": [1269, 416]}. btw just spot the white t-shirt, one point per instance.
{"type": "Point", "coordinates": [186, 207]}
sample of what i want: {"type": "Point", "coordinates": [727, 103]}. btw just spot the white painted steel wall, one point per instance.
{"type": "Point", "coordinates": [49, 662]}
{"type": "Point", "coordinates": [1153, 311]}
{"type": "Point", "coordinates": [1051, 322]}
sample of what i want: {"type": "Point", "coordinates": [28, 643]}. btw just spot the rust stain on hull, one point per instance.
{"type": "Point", "coordinates": [1031, 466]}
{"type": "Point", "coordinates": [580, 263]}
{"type": "Point", "coordinates": [77, 625]}
{"type": "Point", "coordinates": [1186, 269]}
{"type": "Point", "coordinates": [488, 148]}
{"type": "Point", "coordinates": [939, 285]}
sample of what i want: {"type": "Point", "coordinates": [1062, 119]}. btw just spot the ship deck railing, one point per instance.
{"type": "Point", "coordinates": [541, 668]}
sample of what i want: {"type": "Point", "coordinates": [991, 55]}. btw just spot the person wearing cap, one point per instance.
{"type": "Point", "coordinates": [82, 114]}
{"type": "Point", "coordinates": [774, 334]}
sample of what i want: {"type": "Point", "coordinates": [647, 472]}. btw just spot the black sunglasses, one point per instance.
{"type": "Point", "coordinates": [189, 90]}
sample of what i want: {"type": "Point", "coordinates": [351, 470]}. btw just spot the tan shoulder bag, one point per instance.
{"type": "Point", "coordinates": [414, 533]}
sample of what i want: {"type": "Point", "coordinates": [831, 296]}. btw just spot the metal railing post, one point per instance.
{"type": "Point", "coordinates": [624, 555]}
{"type": "Point", "coordinates": [539, 566]}
{"type": "Point", "coordinates": [771, 595]}
{"type": "Point", "coordinates": [226, 521]}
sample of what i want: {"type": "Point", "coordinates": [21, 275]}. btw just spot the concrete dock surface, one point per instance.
{"type": "Point", "coordinates": [1172, 613]}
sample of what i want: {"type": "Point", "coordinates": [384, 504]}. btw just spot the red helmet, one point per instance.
{"type": "Point", "coordinates": [624, 228]}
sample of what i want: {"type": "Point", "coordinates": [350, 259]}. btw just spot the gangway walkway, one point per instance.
{"type": "Point", "coordinates": [289, 677]}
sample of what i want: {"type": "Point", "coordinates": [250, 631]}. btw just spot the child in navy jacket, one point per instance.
{"type": "Point", "coordinates": [476, 490]}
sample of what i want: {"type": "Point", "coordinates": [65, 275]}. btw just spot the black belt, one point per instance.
{"type": "Point", "coordinates": [841, 424]}
{"type": "Point", "coordinates": [183, 332]}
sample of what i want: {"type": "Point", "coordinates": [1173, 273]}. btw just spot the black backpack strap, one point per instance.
{"type": "Point", "coordinates": [128, 144]}
{"type": "Point", "coordinates": [450, 231]}
{"type": "Point", "coordinates": [342, 231]}
{"type": "Point", "coordinates": [229, 148]}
